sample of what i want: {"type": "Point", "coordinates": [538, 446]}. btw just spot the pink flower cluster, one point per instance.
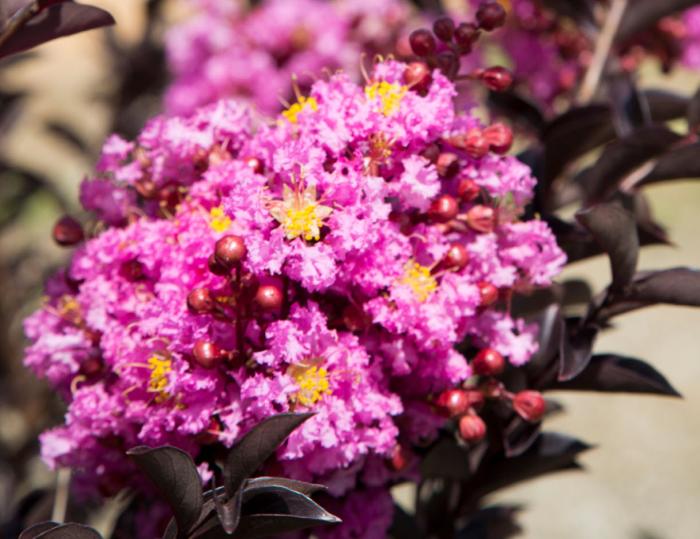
{"type": "Point", "coordinates": [331, 261]}
{"type": "Point", "coordinates": [226, 50]}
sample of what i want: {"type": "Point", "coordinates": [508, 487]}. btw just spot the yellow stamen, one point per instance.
{"type": "Point", "coordinates": [292, 113]}
{"type": "Point", "coordinates": [300, 214]}
{"type": "Point", "coordinates": [219, 220]}
{"type": "Point", "coordinates": [312, 382]}
{"type": "Point", "coordinates": [158, 381]}
{"type": "Point", "coordinates": [420, 280]}
{"type": "Point", "coordinates": [390, 95]}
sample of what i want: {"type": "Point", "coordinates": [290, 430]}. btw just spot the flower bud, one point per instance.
{"type": "Point", "coordinates": [269, 297]}
{"type": "Point", "coordinates": [444, 209]}
{"type": "Point", "coordinates": [481, 219]}
{"type": "Point", "coordinates": [490, 16]}
{"type": "Point", "coordinates": [207, 354]}
{"type": "Point", "coordinates": [530, 405]}
{"type": "Point", "coordinates": [465, 35]}
{"type": "Point", "coordinates": [399, 458]}
{"type": "Point", "coordinates": [200, 301]}
{"type": "Point", "coordinates": [215, 267]}
{"type": "Point", "coordinates": [444, 29]}
{"type": "Point", "coordinates": [488, 294]}
{"type": "Point", "coordinates": [476, 145]}
{"type": "Point", "coordinates": [447, 164]}
{"type": "Point", "coordinates": [453, 402]}
{"type": "Point", "coordinates": [499, 137]}
{"type": "Point", "coordinates": [418, 77]}
{"type": "Point", "coordinates": [468, 190]}
{"type": "Point", "coordinates": [68, 231]}
{"type": "Point", "coordinates": [472, 428]}
{"type": "Point", "coordinates": [230, 250]}
{"type": "Point", "coordinates": [496, 78]}
{"type": "Point", "coordinates": [132, 270]}
{"type": "Point", "coordinates": [457, 256]}
{"type": "Point", "coordinates": [488, 362]}
{"type": "Point", "coordinates": [255, 164]}
{"type": "Point", "coordinates": [422, 42]}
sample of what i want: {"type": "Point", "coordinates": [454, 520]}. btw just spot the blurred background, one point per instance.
{"type": "Point", "coordinates": [57, 104]}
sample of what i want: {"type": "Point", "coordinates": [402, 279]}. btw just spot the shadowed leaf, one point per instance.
{"type": "Point", "coordinates": [675, 165]}
{"type": "Point", "coordinates": [37, 529]}
{"type": "Point", "coordinates": [175, 475]}
{"type": "Point", "coordinates": [496, 522]}
{"type": "Point", "coordinates": [613, 373]}
{"type": "Point", "coordinates": [677, 286]}
{"type": "Point", "coordinates": [519, 435]}
{"type": "Point", "coordinates": [404, 525]}
{"type": "Point", "coordinates": [576, 350]}
{"type": "Point", "coordinates": [694, 112]}
{"type": "Point", "coordinates": [629, 107]}
{"type": "Point", "coordinates": [56, 21]}
{"type": "Point", "coordinates": [446, 460]}
{"type": "Point", "coordinates": [665, 105]}
{"type": "Point", "coordinates": [517, 108]}
{"type": "Point", "coordinates": [255, 447]}
{"type": "Point", "coordinates": [70, 531]}
{"type": "Point", "coordinates": [641, 14]}
{"type": "Point", "coordinates": [299, 486]}
{"type": "Point", "coordinates": [615, 230]}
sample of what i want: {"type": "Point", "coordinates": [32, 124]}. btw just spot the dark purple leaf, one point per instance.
{"type": "Point", "coordinates": [255, 447]}
{"type": "Point", "coordinates": [517, 108]}
{"type": "Point", "coordinates": [576, 350]}
{"type": "Point", "coordinates": [664, 105]}
{"type": "Point", "coordinates": [629, 107]}
{"type": "Point", "coordinates": [175, 475]}
{"type": "Point", "coordinates": [496, 522]}
{"type": "Point", "coordinates": [70, 531]}
{"type": "Point", "coordinates": [694, 112]}
{"type": "Point", "coordinates": [37, 529]}
{"type": "Point", "coordinates": [641, 14]}
{"type": "Point", "coordinates": [519, 435]}
{"type": "Point", "coordinates": [299, 486]}
{"type": "Point", "coordinates": [255, 526]}
{"type": "Point", "coordinates": [677, 164]}
{"type": "Point", "coordinates": [446, 460]}
{"type": "Point", "coordinates": [581, 11]}
{"type": "Point", "coordinates": [613, 373]}
{"type": "Point", "coordinates": [622, 157]}
{"type": "Point", "coordinates": [404, 525]}
{"type": "Point", "coordinates": [55, 21]}
{"type": "Point", "coordinates": [676, 286]}
{"type": "Point", "coordinates": [229, 512]}
{"type": "Point", "coordinates": [615, 230]}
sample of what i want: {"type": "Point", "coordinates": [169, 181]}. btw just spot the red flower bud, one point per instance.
{"type": "Point", "coordinates": [457, 256]}
{"type": "Point", "coordinates": [496, 78]}
{"type": "Point", "coordinates": [444, 29]}
{"type": "Point", "coordinates": [255, 164]}
{"type": "Point", "coordinates": [200, 301]}
{"type": "Point", "coordinates": [481, 218]}
{"type": "Point", "coordinates": [499, 137]}
{"type": "Point", "coordinates": [132, 270]}
{"type": "Point", "coordinates": [472, 428]}
{"type": "Point", "coordinates": [207, 354]}
{"type": "Point", "coordinates": [418, 77]}
{"type": "Point", "coordinates": [67, 231]}
{"type": "Point", "coordinates": [447, 164]}
{"type": "Point", "coordinates": [465, 36]}
{"type": "Point", "coordinates": [530, 405]}
{"type": "Point", "coordinates": [476, 145]}
{"type": "Point", "coordinates": [230, 250]}
{"type": "Point", "coordinates": [422, 42]}
{"type": "Point", "coordinates": [453, 402]}
{"type": "Point", "coordinates": [399, 459]}
{"type": "Point", "coordinates": [215, 267]}
{"type": "Point", "coordinates": [488, 362]}
{"type": "Point", "coordinates": [491, 15]}
{"type": "Point", "coordinates": [444, 209]}
{"type": "Point", "coordinates": [468, 190]}
{"type": "Point", "coordinates": [488, 293]}
{"type": "Point", "coordinates": [269, 297]}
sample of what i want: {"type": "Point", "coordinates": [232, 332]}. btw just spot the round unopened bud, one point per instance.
{"type": "Point", "coordinates": [488, 293]}
{"type": "Point", "coordinates": [530, 405]}
{"type": "Point", "coordinates": [447, 164]}
{"type": "Point", "coordinates": [418, 77]}
{"type": "Point", "coordinates": [465, 35]}
{"type": "Point", "coordinates": [200, 301]}
{"type": "Point", "coordinates": [453, 402]}
{"type": "Point", "coordinates": [255, 164]}
{"type": "Point", "coordinates": [132, 270]}
{"type": "Point", "coordinates": [230, 250]}
{"type": "Point", "coordinates": [488, 362]}
{"type": "Point", "coordinates": [481, 218]}
{"type": "Point", "coordinates": [207, 354]}
{"type": "Point", "coordinates": [68, 231]}
{"type": "Point", "coordinates": [472, 428]}
{"type": "Point", "coordinates": [496, 78]}
{"type": "Point", "coordinates": [457, 256]}
{"type": "Point", "coordinates": [499, 137]}
{"type": "Point", "coordinates": [216, 267]}
{"type": "Point", "coordinates": [468, 190]}
{"type": "Point", "coordinates": [399, 459]}
{"type": "Point", "coordinates": [269, 297]}
{"type": "Point", "coordinates": [444, 209]}
{"type": "Point", "coordinates": [422, 42]}
{"type": "Point", "coordinates": [444, 29]}
{"type": "Point", "coordinates": [491, 15]}
{"type": "Point", "coordinates": [476, 145]}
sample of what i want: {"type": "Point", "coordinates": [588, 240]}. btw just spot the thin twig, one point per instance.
{"type": "Point", "coordinates": [19, 19]}
{"type": "Point", "coordinates": [602, 51]}
{"type": "Point", "coordinates": [105, 520]}
{"type": "Point", "coordinates": [60, 501]}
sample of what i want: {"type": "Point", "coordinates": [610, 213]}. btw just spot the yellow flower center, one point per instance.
{"type": "Point", "coordinates": [292, 113]}
{"type": "Point", "coordinates": [312, 382]}
{"type": "Point", "coordinates": [420, 280]}
{"type": "Point", "coordinates": [390, 95]}
{"type": "Point", "coordinates": [158, 381]}
{"type": "Point", "coordinates": [219, 220]}
{"type": "Point", "coordinates": [300, 214]}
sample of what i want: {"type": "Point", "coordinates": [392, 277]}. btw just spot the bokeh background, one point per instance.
{"type": "Point", "coordinates": [58, 103]}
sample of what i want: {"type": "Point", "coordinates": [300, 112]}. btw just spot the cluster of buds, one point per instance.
{"type": "Point", "coordinates": [442, 47]}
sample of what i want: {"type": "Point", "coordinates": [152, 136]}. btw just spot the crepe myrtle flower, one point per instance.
{"type": "Point", "coordinates": [328, 261]}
